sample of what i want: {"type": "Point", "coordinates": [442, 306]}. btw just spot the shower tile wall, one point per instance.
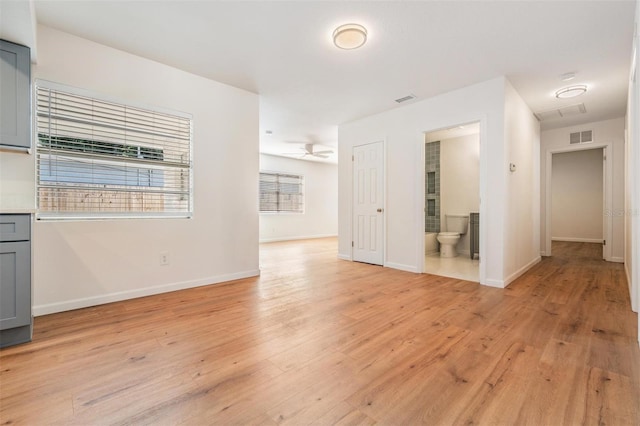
{"type": "Point", "coordinates": [432, 187]}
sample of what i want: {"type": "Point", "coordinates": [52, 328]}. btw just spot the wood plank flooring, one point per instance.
{"type": "Point", "coordinates": [317, 340]}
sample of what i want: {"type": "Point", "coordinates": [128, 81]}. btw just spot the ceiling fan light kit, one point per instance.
{"type": "Point", "coordinates": [308, 150]}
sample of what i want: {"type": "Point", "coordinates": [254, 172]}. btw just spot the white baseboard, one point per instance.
{"type": "Point", "coordinates": [634, 303]}
{"type": "Point", "coordinates": [344, 256]}
{"type": "Point", "coordinates": [543, 253]}
{"type": "Point", "coordinates": [577, 240]}
{"type": "Point", "coordinates": [294, 238]}
{"type": "Point", "coordinates": [494, 283]}
{"type": "Point", "coordinates": [86, 302]}
{"type": "Point", "coordinates": [616, 259]}
{"type": "Point", "coordinates": [401, 267]}
{"type": "Point", "coordinates": [511, 278]}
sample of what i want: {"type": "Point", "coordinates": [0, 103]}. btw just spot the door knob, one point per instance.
{"type": "Point", "coordinates": [379, 210]}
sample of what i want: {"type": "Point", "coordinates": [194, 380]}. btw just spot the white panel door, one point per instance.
{"type": "Point", "coordinates": [368, 203]}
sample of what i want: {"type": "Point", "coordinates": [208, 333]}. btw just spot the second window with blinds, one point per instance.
{"type": "Point", "coordinates": [281, 193]}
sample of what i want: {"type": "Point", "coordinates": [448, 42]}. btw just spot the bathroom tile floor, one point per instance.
{"type": "Point", "coordinates": [461, 267]}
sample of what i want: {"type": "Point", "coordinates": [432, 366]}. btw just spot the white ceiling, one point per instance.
{"type": "Point", "coordinates": [283, 51]}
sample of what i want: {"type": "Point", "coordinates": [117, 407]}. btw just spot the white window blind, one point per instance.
{"type": "Point", "coordinates": [281, 193]}
{"type": "Point", "coordinates": [97, 159]}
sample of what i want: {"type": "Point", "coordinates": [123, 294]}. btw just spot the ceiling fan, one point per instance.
{"type": "Point", "coordinates": [308, 150]}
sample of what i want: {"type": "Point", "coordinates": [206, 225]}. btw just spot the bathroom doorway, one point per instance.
{"type": "Point", "coordinates": [452, 202]}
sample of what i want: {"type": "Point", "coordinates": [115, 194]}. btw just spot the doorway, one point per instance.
{"type": "Point", "coordinates": [578, 196]}
{"type": "Point", "coordinates": [452, 202]}
{"type": "Point", "coordinates": [368, 238]}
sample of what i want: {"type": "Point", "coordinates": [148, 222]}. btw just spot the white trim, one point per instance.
{"type": "Point", "coordinates": [85, 302]}
{"type": "Point", "coordinates": [543, 253]}
{"type": "Point", "coordinates": [344, 257]}
{"type": "Point", "coordinates": [401, 267]}
{"type": "Point", "coordinates": [607, 230]}
{"type": "Point", "coordinates": [494, 283]}
{"type": "Point", "coordinates": [616, 259]}
{"type": "Point", "coordinates": [295, 238]}
{"type": "Point", "coordinates": [578, 240]}
{"type": "Point", "coordinates": [511, 278]}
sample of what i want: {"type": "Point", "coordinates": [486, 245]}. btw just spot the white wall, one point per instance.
{"type": "Point", "coordinates": [320, 217]}
{"type": "Point", "coordinates": [459, 180]}
{"type": "Point", "coordinates": [402, 129]}
{"type": "Point", "coordinates": [522, 195]}
{"type": "Point", "coordinates": [632, 187]}
{"type": "Point", "coordinates": [607, 131]}
{"type": "Point", "coordinates": [576, 196]}
{"type": "Point", "coordinates": [83, 263]}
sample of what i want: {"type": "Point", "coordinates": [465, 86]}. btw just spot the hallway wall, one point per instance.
{"type": "Point", "coordinates": [577, 197]}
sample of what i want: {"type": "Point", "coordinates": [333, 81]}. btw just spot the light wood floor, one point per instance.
{"type": "Point", "coordinates": [316, 340]}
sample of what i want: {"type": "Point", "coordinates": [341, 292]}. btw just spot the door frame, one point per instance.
{"type": "Point", "coordinates": [607, 189]}
{"type": "Point", "coordinates": [383, 141]}
{"type": "Point", "coordinates": [420, 195]}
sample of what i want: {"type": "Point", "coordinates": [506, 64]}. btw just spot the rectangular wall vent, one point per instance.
{"type": "Point", "coordinates": [586, 136]}
{"type": "Point", "coordinates": [574, 137]}
{"type": "Point", "coordinates": [581, 137]}
{"type": "Point", "coordinates": [405, 98]}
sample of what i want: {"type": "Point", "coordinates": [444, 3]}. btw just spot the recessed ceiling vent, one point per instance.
{"type": "Point", "coordinates": [405, 99]}
{"type": "Point", "coordinates": [561, 112]}
{"type": "Point", "coordinates": [581, 137]}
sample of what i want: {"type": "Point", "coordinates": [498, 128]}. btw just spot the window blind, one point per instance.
{"type": "Point", "coordinates": [281, 193]}
{"type": "Point", "coordinates": [96, 158]}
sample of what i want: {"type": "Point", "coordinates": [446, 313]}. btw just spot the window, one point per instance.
{"type": "Point", "coordinates": [97, 159]}
{"type": "Point", "coordinates": [281, 193]}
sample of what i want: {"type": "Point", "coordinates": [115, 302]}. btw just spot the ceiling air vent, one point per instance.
{"type": "Point", "coordinates": [572, 110]}
{"type": "Point", "coordinates": [405, 98]}
{"type": "Point", "coordinates": [581, 137]}
{"type": "Point", "coordinates": [547, 115]}
{"type": "Point", "coordinates": [561, 112]}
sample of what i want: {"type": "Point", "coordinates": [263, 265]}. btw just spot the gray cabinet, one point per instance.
{"type": "Point", "coordinates": [15, 95]}
{"type": "Point", "coordinates": [474, 234]}
{"type": "Point", "coordinates": [15, 279]}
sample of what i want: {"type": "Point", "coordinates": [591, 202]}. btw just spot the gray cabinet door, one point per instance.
{"type": "Point", "coordinates": [15, 284]}
{"type": "Point", "coordinates": [15, 95]}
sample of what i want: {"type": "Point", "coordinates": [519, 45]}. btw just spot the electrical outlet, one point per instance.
{"type": "Point", "coordinates": [164, 258]}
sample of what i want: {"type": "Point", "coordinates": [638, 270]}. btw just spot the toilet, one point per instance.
{"type": "Point", "coordinates": [456, 225]}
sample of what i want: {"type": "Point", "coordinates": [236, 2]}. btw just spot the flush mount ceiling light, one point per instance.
{"type": "Point", "coordinates": [571, 92]}
{"type": "Point", "coordinates": [349, 36]}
